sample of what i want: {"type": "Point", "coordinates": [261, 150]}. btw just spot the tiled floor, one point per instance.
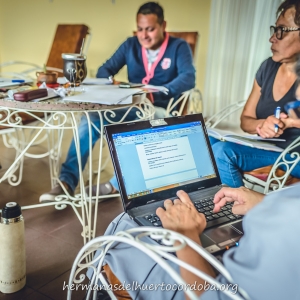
{"type": "Point", "coordinates": [53, 237]}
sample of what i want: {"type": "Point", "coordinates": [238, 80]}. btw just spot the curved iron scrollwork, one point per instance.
{"type": "Point", "coordinates": [92, 255]}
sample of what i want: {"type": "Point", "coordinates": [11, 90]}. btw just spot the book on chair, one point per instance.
{"type": "Point", "coordinates": [254, 141]}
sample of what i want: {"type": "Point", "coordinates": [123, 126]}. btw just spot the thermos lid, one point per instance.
{"type": "Point", "coordinates": [11, 210]}
{"type": "Point", "coordinates": [73, 56]}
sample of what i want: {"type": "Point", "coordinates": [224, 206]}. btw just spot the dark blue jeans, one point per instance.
{"type": "Point", "coordinates": [234, 159]}
{"type": "Point", "coordinates": [69, 170]}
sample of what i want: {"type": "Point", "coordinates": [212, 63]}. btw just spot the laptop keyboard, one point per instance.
{"type": "Point", "coordinates": [205, 206]}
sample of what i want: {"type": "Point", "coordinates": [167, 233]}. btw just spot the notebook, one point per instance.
{"type": "Point", "coordinates": [9, 83]}
{"type": "Point", "coordinates": [153, 159]}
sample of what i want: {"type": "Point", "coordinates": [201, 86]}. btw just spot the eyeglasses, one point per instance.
{"type": "Point", "coordinates": [280, 30]}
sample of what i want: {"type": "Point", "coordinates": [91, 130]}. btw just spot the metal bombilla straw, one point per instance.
{"type": "Point", "coordinates": [72, 76]}
{"type": "Point", "coordinates": [72, 73]}
{"type": "Point", "coordinates": [81, 53]}
{"type": "Point", "coordinates": [82, 45]}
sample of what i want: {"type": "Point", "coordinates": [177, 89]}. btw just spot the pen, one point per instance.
{"type": "Point", "coordinates": [111, 79]}
{"type": "Point", "coordinates": [18, 80]}
{"type": "Point", "coordinates": [277, 115]}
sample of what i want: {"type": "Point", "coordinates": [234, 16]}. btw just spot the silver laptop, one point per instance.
{"type": "Point", "coordinates": [154, 159]}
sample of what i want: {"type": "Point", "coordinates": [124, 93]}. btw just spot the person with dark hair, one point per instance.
{"type": "Point", "coordinates": [274, 86]}
{"type": "Point", "coordinates": [152, 8]}
{"type": "Point", "coordinates": [152, 57]}
{"type": "Point", "coordinates": [265, 263]}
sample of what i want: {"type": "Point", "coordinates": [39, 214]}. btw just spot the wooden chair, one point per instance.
{"type": "Point", "coordinates": [191, 37]}
{"type": "Point", "coordinates": [68, 39]}
{"type": "Point", "coordinates": [190, 101]}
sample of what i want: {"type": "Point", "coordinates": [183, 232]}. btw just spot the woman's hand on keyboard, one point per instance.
{"type": "Point", "coordinates": [182, 216]}
{"type": "Point", "coordinates": [243, 198]}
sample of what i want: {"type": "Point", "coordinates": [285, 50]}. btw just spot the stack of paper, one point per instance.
{"type": "Point", "coordinates": [87, 81]}
{"type": "Point", "coordinates": [104, 94]}
{"type": "Point", "coordinates": [96, 81]}
{"type": "Point", "coordinates": [254, 141]}
{"type": "Point", "coordinates": [10, 82]}
{"type": "Point", "coordinates": [155, 88]}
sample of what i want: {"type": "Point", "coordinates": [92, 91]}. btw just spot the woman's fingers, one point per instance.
{"type": "Point", "coordinates": [184, 197]}
{"type": "Point", "coordinates": [168, 203]}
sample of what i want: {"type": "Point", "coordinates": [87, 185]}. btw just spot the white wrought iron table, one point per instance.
{"type": "Point", "coordinates": [60, 116]}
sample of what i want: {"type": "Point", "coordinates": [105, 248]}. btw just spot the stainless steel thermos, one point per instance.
{"type": "Point", "coordinates": [12, 249]}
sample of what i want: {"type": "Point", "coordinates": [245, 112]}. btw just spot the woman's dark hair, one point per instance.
{"type": "Point", "coordinates": [152, 8]}
{"type": "Point", "coordinates": [287, 4]}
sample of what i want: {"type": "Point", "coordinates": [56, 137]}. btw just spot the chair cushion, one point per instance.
{"type": "Point", "coordinates": [263, 173]}
{"type": "Point", "coordinates": [114, 281]}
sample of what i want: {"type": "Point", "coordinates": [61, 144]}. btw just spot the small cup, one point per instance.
{"type": "Point", "coordinates": [49, 77]}
{"type": "Point", "coordinates": [74, 67]}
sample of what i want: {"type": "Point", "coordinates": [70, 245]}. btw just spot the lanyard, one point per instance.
{"type": "Point", "coordinates": [150, 73]}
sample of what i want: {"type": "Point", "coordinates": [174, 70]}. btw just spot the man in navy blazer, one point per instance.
{"type": "Point", "coordinates": [152, 57]}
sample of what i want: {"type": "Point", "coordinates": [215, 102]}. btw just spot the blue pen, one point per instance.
{"type": "Point", "coordinates": [18, 80]}
{"type": "Point", "coordinates": [277, 115]}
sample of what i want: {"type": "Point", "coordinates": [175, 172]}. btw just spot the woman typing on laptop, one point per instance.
{"type": "Point", "coordinates": [261, 265]}
{"type": "Point", "coordinates": [266, 254]}
{"type": "Point", "coordinates": [265, 264]}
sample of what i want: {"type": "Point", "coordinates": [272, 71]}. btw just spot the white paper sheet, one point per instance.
{"type": "Point", "coordinates": [8, 82]}
{"type": "Point", "coordinates": [104, 94]}
{"type": "Point", "coordinates": [156, 88]}
{"type": "Point", "coordinates": [96, 81]}
{"type": "Point", "coordinates": [62, 80]}
{"type": "Point", "coordinates": [87, 81]}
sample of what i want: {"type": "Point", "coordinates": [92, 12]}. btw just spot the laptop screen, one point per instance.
{"type": "Point", "coordinates": [156, 159]}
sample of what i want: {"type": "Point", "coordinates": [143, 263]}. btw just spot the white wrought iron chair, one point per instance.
{"type": "Point", "coordinates": [273, 181]}
{"type": "Point", "coordinates": [224, 113]}
{"type": "Point", "coordinates": [160, 253]}
{"type": "Point", "coordinates": [17, 139]}
{"type": "Point", "coordinates": [23, 134]}
{"type": "Point", "coordinates": [189, 102]}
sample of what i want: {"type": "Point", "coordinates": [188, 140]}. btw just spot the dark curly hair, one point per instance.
{"type": "Point", "coordinates": [152, 8]}
{"type": "Point", "coordinates": [287, 4]}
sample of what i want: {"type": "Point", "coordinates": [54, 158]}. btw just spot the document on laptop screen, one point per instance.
{"type": "Point", "coordinates": [163, 158]}
{"type": "Point", "coordinates": [171, 159]}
